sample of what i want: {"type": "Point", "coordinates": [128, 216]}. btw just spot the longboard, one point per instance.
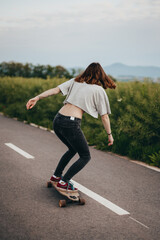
{"type": "Point", "coordinates": [73, 196]}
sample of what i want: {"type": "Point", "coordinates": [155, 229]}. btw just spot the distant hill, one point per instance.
{"type": "Point", "coordinates": [122, 70]}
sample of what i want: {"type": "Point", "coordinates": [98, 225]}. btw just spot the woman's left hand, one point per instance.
{"type": "Point", "coordinates": [110, 140]}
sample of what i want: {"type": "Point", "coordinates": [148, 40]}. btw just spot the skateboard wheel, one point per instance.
{"type": "Point", "coordinates": [82, 201]}
{"type": "Point", "coordinates": [62, 203]}
{"type": "Point", "coordinates": [49, 184]}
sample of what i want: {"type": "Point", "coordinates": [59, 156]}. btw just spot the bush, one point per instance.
{"type": "Point", "coordinates": [155, 159]}
{"type": "Point", "coordinates": [135, 118]}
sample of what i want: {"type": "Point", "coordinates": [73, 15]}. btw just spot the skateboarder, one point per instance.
{"type": "Point", "coordinates": [85, 93]}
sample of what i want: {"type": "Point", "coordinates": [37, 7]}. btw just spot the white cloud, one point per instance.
{"type": "Point", "coordinates": [83, 12]}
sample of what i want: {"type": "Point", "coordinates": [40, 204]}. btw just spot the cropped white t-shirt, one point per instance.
{"type": "Point", "coordinates": [91, 98]}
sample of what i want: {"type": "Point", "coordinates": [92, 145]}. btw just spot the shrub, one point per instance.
{"type": "Point", "coordinates": [155, 159]}
{"type": "Point", "coordinates": [135, 118]}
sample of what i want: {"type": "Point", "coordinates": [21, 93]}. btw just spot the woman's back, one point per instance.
{"type": "Point", "coordinates": [71, 110]}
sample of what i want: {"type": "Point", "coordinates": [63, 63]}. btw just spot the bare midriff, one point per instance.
{"type": "Point", "coordinates": [71, 110]}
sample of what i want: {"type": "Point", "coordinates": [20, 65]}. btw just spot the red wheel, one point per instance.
{"type": "Point", "coordinates": [49, 184]}
{"type": "Point", "coordinates": [62, 203]}
{"type": "Point", "coordinates": [82, 201]}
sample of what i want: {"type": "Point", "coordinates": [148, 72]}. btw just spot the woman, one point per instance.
{"type": "Point", "coordinates": [85, 93]}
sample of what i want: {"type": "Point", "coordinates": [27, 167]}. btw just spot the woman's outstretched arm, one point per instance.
{"type": "Point", "coordinates": [32, 102]}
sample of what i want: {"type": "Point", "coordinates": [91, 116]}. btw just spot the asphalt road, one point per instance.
{"type": "Point", "coordinates": [29, 210]}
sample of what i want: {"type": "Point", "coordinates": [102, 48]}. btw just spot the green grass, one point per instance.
{"type": "Point", "coordinates": [135, 118]}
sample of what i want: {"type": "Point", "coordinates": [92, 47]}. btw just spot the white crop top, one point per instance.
{"type": "Point", "coordinates": [91, 98]}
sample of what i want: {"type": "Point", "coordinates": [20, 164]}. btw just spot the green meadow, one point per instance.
{"type": "Point", "coordinates": [135, 118]}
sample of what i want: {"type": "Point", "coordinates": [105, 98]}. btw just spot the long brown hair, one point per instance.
{"type": "Point", "coordinates": [94, 74]}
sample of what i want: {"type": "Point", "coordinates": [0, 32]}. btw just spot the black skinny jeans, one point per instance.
{"type": "Point", "coordinates": [70, 133]}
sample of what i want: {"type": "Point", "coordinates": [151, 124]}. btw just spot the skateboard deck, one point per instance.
{"type": "Point", "coordinates": [73, 196]}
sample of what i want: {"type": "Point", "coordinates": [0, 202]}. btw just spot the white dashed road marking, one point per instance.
{"type": "Point", "coordinates": [20, 151]}
{"type": "Point", "coordinates": [108, 204]}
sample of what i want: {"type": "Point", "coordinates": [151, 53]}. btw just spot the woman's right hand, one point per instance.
{"type": "Point", "coordinates": [32, 102]}
{"type": "Point", "coordinates": [110, 140]}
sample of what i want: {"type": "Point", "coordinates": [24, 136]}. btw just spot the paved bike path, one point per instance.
{"type": "Point", "coordinates": [30, 211]}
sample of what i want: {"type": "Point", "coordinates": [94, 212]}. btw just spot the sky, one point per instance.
{"type": "Point", "coordinates": [74, 33]}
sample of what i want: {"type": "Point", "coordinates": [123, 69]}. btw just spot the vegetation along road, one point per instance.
{"type": "Point", "coordinates": [135, 117]}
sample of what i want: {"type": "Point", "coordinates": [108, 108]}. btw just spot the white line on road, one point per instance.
{"type": "Point", "coordinates": [100, 199]}
{"type": "Point", "coordinates": [138, 222]}
{"type": "Point", "coordinates": [146, 165]}
{"type": "Point", "coordinates": [20, 151]}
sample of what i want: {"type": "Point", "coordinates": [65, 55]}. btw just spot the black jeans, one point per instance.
{"type": "Point", "coordinates": [69, 132]}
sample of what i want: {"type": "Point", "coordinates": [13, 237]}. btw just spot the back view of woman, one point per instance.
{"type": "Point", "coordinates": [85, 93]}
